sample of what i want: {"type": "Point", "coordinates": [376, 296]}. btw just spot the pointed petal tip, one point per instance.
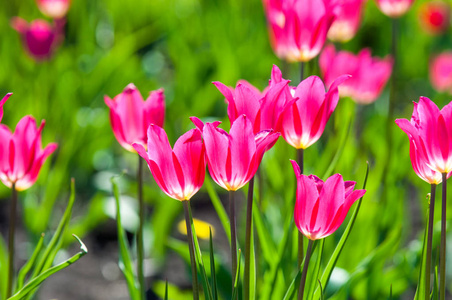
{"type": "Point", "coordinates": [296, 167]}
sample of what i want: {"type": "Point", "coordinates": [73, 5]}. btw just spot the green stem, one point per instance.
{"type": "Point", "coordinates": [302, 67]}
{"type": "Point", "coordinates": [305, 270]}
{"type": "Point", "coordinates": [429, 242]}
{"type": "Point", "coordinates": [249, 223]}
{"type": "Point", "coordinates": [442, 250]}
{"type": "Point", "coordinates": [12, 229]}
{"type": "Point", "coordinates": [300, 162]}
{"type": "Point", "coordinates": [188, 222]}
{"type": "Point", "coordinates": [232, 222]}
{"type": "Point", "coordinates": [140, 247]}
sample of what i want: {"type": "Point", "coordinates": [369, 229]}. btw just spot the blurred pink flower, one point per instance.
{"type": "Point", "coordinates": [180, 171]}
{"type": "Point", "coordinates": [21, 153]}
{"type": "Point", "coordinates": [394, 8]}
{"type": "Point", "coordinates": [347, 21]}
{"type": "Point", "coordinates": [434, 16]}
{"type": "Point", "coordinates": [369, 74]}
{"type": "Point", "coordinates": [321, 207]}
{"type": "Point", "coordinates": [130, 116]}
{"type": "Point", "coordinates": [303, 120]}
{"type": "Point", "coordinates": [39, 37]}
{"type": "Point", "coordinates": [430, 130]}
{"type": "Point", "coordinates": [55, 9]}
{"type": "Point", "coordinates": [441, 72]}
{"type": "Point", "coordinates": [298, 28]}
{"type": "Point", "coordinates": [2, 102]}
{"type": "Point", "coordinates": [233, 158]}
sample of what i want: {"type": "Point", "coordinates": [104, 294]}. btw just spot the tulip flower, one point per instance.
{"type": "Point", "coordinates": [21, 153]}
{"type": "Point", "coordinates": [55, 9]}
{"type": "Point", "coordinates": [441, 72]}
{"type": "Point", "coordinates": [369, 74]}
{"type": "Point", "coordinates": [434, 17]}
{"type": "Point", "coordinates": [347, 21]}
{"type": "Point", "coordinates": [39, 37]}
{"type": "Point", "coordinates": [233, 158]}
{"type": "Point", "coordinates": [130, 116]}
{"type": "Point", "coordinates": [298, 28]}
{"type": "Point", "coordinates": [302, 121]}
{"type": "Point", "coordinates": [2, 102]}
{"type": "Point", "coordinates": [180, 171]}
{"type": "Point", "coordinates": [321, 207]}
{"type": "Point", "coordinates": [261, 108]}
{"type": "Point", "coordinates": [394, 8]}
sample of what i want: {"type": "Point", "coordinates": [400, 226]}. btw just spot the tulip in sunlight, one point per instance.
{"type": "Point", "coordinates": [347, 21]}
{"type": "Point", "coordinates": [130, 116]}
{"type": "Point", "coordinates": [21, 153]}
{"type": "Point", "coordinates": [233, 158]}
{"type": "Point", "coordinates": [430, 130]}
{"type": "Point", "coordinates": [321, 207]}
{"type": "Point", "coordinates": [369, 74]}
{"type": "Point", "coordinates": [180, 171]}
{"type": "Point", "coordinates": [298, 28]}
{"type": "Point", "coordinates": [394, 8]}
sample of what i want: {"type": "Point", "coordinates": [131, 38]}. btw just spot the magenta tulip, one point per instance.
{"type": "Point", "coordinates": [394, 8]}
{"type": "Point", "coordinates": [369, 74]}
{"type": "Point", "coordinates": [434, 17]}
{"type": "Point", "coordinates": [347, 21]}
{"type": "Point", "coordinates": [298, 28]}
{"type": "Point", "coordinates": [441, 72]}
{"type": "Point", "coordinates": [180, 171]}
{"type": "Point", "coordinates": [430, 131]}
{"type": "Point", "coordinates": [39, 37]}
{"type": "Point", "coordinates": [302, 122]}
{"type": "Point", "coordinates": [55, 9]}
{"type": "Point", "coordinates": [130, 116]}
{"type": "Point", "coordinates": [233, 158]}
{"type": "Point", "coordinates": [21, 153]}
{"type": "Point", "coordinates": [321, 207]}
{"type": "Point", "coordinates": [2, 102]}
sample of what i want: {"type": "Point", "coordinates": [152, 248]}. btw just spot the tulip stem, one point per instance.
{"type": "Point", "coordinates": [442, 250]}
{"type": "Point", "coordinates": [12, 228]}
{"type": "Point", "coordinates": [140, 247]}
{"type": "Point", "coordinates": [429, 241]}
{"type": "Point", "coordinates": [232, 222]}
{"type": "Point", "coordinates": [305, 270]}
{"type": "Point", "coordinates": [300, 162]}
{"type": "Point", "coordinates": [188, 222]}
{"type": "Point", "coordinates": [302, 67]}
{"type": "Point", "coordinates": [249, 223]}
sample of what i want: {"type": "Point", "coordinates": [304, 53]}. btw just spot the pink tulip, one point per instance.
{"type": "Point", "coordinates": [421, 169]}
{"type": "Point", "coordinates": [302, 122]}
{"type": "Point", "coordinates": [321, 207]}
{"type": "Point", "coordinates": [39, 37]}
{"type": "Point", "coordinates": [434, 17]}
{"type": "Point", "coordinates": [55, 9]}
{"type": "Point", "coordinates": [3, 102]}
{"type": "Point", "coordinates": [21, 153]}
{"type": "Point", "coordinates": [394, 8]}
{"type": "Point", "coordinates": [233, 158]}
{"type": "Point", "coordinates": [130, 116]}
{"type": "Point", "coordinates": [262, 108]}
{"type": "Point", "coordinates": [348, 20]}
{"type": "Point", "coordinates": [298, 28]}
{"type": "Point", "coordinates": [430, 131]}
{"type": "Point", "coordinates": [180, 171]}
{"type": "Point", "coordinates": [441, 72]}
{"type": "Point", "coordinates": [369, 74]}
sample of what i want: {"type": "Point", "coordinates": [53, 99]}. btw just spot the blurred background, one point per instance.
{"type": "Point", "coordinates": [182, 46]}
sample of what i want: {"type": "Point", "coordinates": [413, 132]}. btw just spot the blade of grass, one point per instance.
{"type": "Point", "coordinates": [237, 276]}
{"type": "Point", "coordinates": [166, 290]}
{"type": "Point", "coordinates": [265, 240]}
{"type": "Point", "coordinates": [421, 289]}
{"type": "Point", "coordinates": [219, 208]}
{"type": "Point", "coordinates": [125, 262]}
{"type": "Point", "coordinates": [30, 263]}
{"type": "Point", "coordinates": [291, 291]}
{"type": "Point", "coordinates": [212, 268]}
{"type": "Point", "coordinates": [35, 282]}
{"type": "Point", "coordinates": [316, 270]}
{"type": "Point", "coordinates": [337, 251]}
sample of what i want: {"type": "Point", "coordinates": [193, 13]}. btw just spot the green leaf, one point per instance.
{"type": "Point", "coordinates": [212, 268]}
{"type": "Point", "coordinates": [435, 291]}
{"type": "Point", "coordinates": [125, 261]}
{"type": "Point", "coordinates": [235, 291]}
{"type": "Point", "coordinates": [166, 290]}
{"type": "Point", "coordinates": [36, 281]}
{"type": "Point", "coordinates": [316, 270]}
{"type": "Point", "coordinates": [266, 242]}
{"type": "Point", "coordinates": [30, 263]}
{"type": "Point", "coordinates": [219, 208]}
{"type": "Point", "coordinates": [337, 251]}
{"type": "Point", "coordinates": [422, 283]}
{"type": "Point", "coordinates": [291, 291]}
